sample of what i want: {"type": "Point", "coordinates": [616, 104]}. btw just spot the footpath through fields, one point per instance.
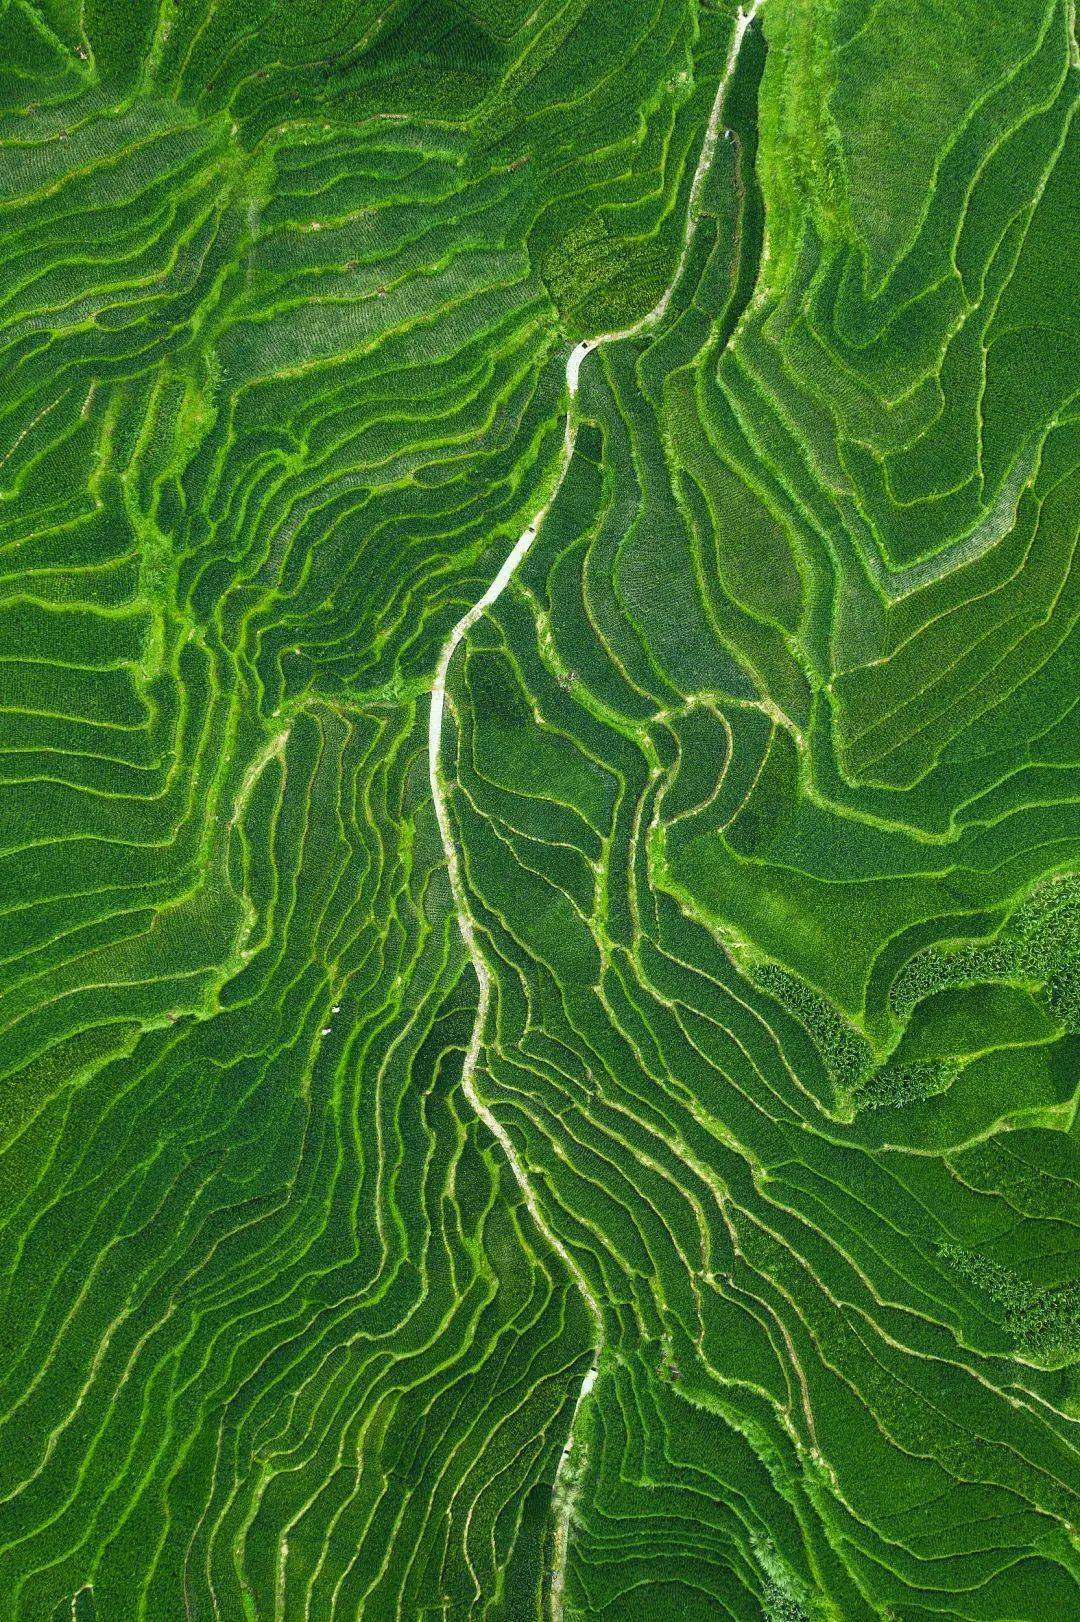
{"type": "Point", "coordinates": [563, 1493]}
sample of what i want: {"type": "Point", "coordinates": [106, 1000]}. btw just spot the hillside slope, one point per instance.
{"type": "Point", "coordinates": [541, 822]}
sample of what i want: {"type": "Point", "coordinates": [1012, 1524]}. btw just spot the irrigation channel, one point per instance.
{"type": "Point", "coordinates": [571, 1460]}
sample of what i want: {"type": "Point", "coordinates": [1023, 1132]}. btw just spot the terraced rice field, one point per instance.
{"type": "Point", "coordinates": [540, 1007]}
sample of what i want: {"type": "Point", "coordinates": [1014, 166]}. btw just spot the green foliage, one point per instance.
{"type": "Point", "coordinates": [598, 282]}
{"type": "Point", "coordinates": [845, 1053]}
{"type": "Point", "coordinates": [618, 1158]}
{"type": "Point", "coordinates": [894, 1085]}
{"type": "Point", "coordinates": [1040, 945]}
{"type": "Point", "coordinates": [1044, 1323]}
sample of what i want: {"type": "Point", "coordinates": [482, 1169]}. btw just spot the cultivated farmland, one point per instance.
{"type": "Point", "coordinates": [540, 899]}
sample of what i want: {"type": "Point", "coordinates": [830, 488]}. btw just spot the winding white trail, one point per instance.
{"type": "Point", "coordinates": [565, 1492]}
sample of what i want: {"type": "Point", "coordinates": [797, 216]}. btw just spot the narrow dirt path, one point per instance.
{"type": "Point", "coordinates": [564, 1491]}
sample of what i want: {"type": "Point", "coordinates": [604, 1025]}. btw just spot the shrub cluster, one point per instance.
{"type": "Point", "coordinates": [846, 1055]}
{"type": "Point", "coordinates": [780, 1606]}
{"type": "Point", "coordinates": [897, 1084]}
{"type": "Point", "coordinates": [1042, 944]}
{"type": "Point", "coordinates": [1044, 1323]}
{"type": "Point", "coordinates": [935, 970]}
{"type": "Point", "coordinates": [1049, 930]}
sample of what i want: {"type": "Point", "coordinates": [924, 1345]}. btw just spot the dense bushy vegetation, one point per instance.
{"type": "Point", "coordinates": [615, 1156]}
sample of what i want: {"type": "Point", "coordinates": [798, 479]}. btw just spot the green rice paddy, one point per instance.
{"type": "Point", "coordinates": [539, 811]}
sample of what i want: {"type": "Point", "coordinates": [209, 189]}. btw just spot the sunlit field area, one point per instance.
{"type": "Point", "coordinates": [539, 811]}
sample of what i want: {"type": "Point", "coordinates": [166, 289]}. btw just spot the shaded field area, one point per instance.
{"type": "Point", "coordinates": [712, 1254]}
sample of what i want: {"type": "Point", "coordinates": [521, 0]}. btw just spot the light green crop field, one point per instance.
{"type": "Point", "coordinates": [539, 811]}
